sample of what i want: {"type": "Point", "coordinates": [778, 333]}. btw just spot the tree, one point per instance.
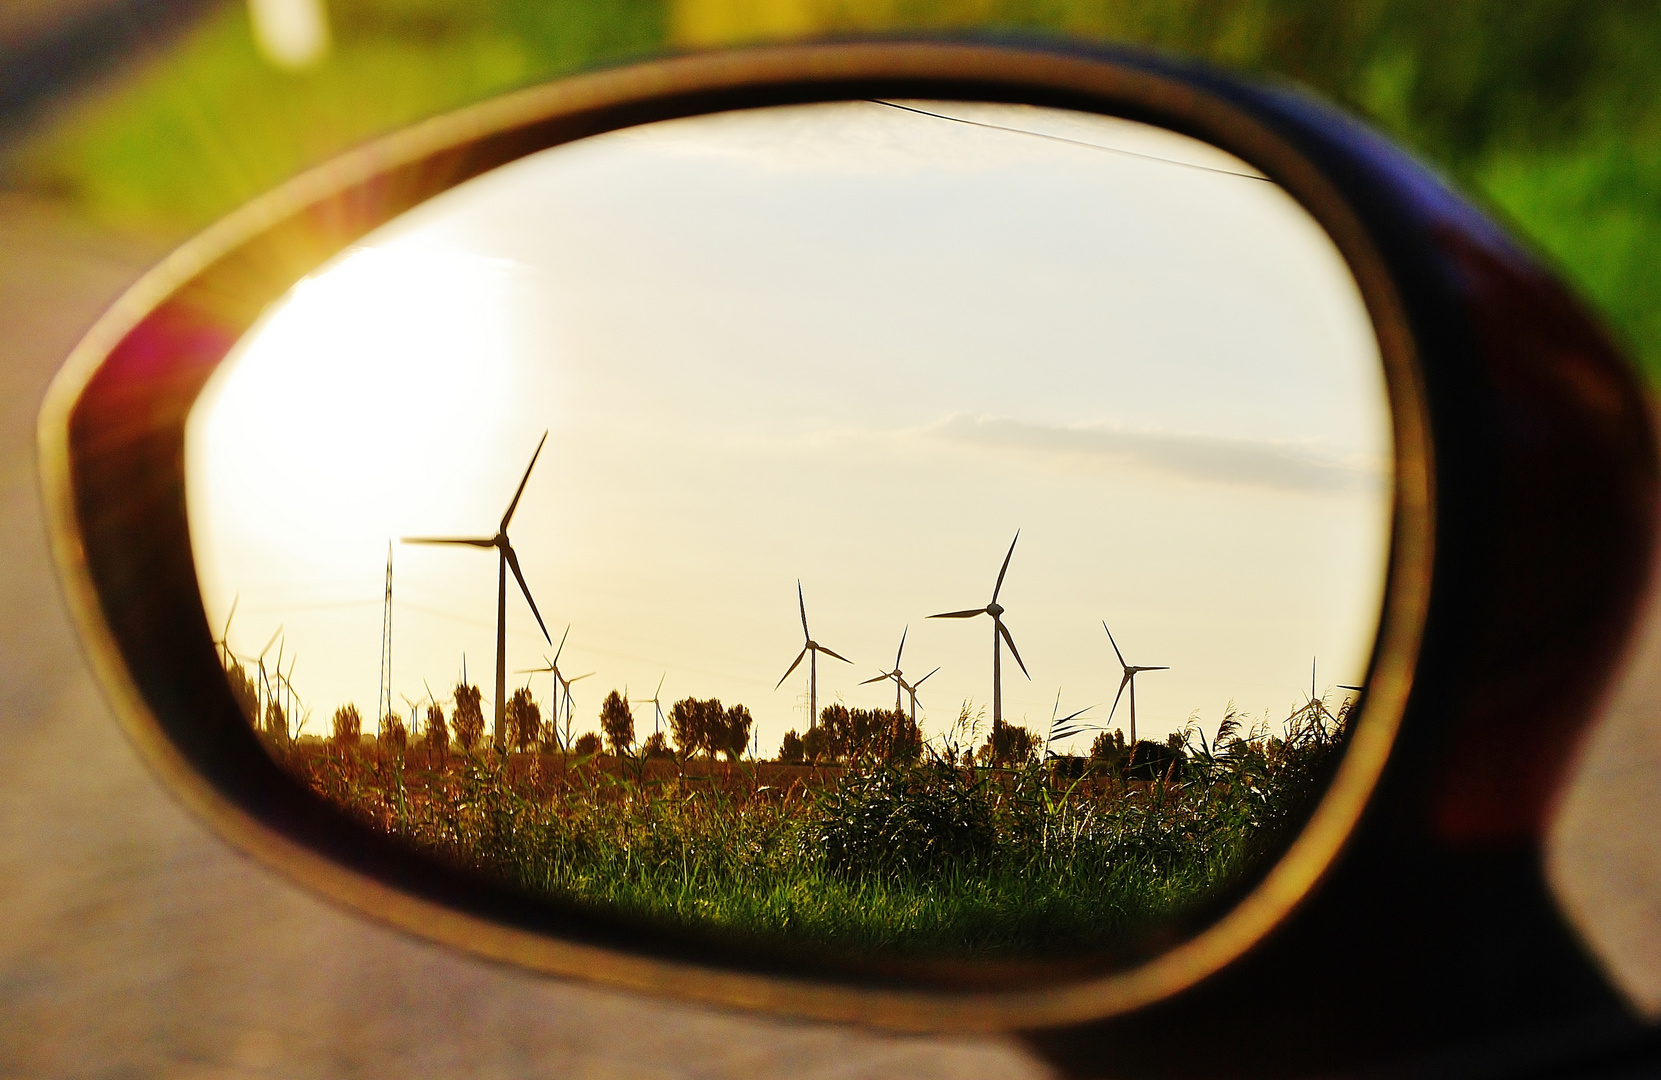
{"type": "Point", "coordinates": [656, 746]}
{"type": "Point", "coordinates": [393, 735]}
{"type": "Point", "coordinates": [735, 732]}
{"type": "Point", "coordinates": [243, 691]}
{"type": "Point", "coordinates": [1008, 745]}
{"type": "Point", "coordinates": [348, 728]}
{"type": "Point", "coordinates": [791, 751]}
{"type": "Point", "coordinates": [524, 717]}
{"type": "Point", "coordinates": [699, 726]}
{"type": "Point", "coordinates": [817, 745]}
{"type": "Point", "coordinates": [865, 735]}
{"type": "Point", "coordinates": [276, 722]}
{"type": "Point", "coordinates": [617, 722]}
{"type": "Point", "coordinates": [588, 744]}
{"type": "Point", "coordinates": [468, 717]}
{"type": "Point", "coordinates": [437, 738]}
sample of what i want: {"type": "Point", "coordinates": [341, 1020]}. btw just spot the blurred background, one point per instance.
{"type": "Point", "coordinates": [150, 118]}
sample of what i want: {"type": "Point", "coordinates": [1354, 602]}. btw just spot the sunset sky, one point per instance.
{"type": "Point", "coordinates": [850, 344]}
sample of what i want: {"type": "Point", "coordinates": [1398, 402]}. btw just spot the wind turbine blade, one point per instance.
{"type": "Point", "coordinates": [1153, 669]}
{"type": "Point", "coordinates": [513, 564]}
{"type": "Point", "coordinates": [467, 541]}
{"type": "Point", "coordinates": [514, 505]}
{"type": "Point", "coordinates": [923, 680]}
{"type": "Point", "coordinates": [1346, 686]}
{"type": "Point", "coordinates": [555, 661]}
{"type": "Point", "coordinates": [659, 689]}
{"type": "Point", "coordinates": [1004, 569]}
{"type": "Point", "coordinates": [225, 636]}
{"type": "Point", "coordinates": [1115, 645]}
{"type": "Point", "coordinates": [577, 678]}
{"type": "Point", "coordinates": [1122, 683]}
{"type": "Point", "coordinates": [806, 636]}
{"type": "Point", "coordinates": [794, 665]}
{"type": "Point", "coordinates": [270, 643]}
{"type": "Point", "coordinates": [836, 654]}
{"type": "Point", "coordinates": [884, 677]}
{"type": "Point", "coordinates": [1004, 630]}
{"type": "Point", "coordinates": [901, 650]}
{"type": "Point", "coordinates": [960, 614]}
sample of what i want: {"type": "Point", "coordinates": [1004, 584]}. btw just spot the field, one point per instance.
{"type": "Point", "coordinates": [927, 856]}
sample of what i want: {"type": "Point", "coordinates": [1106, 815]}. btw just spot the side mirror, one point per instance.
{"type": "Point", "coordinates": [845, 317]}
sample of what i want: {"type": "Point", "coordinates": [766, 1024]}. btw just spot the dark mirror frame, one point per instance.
{"type": "Point", "coordinates": [1409, 920]}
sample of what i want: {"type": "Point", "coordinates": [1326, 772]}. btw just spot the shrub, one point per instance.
{"type": "Point", "coordinates": [905, 822]}
{"type": "Point", "coordinates": [790, 748]}
{"type": "Point", "coordinates": [468, 717]}
{"type": "Point", "coordinates": [734, 733]}
{"type": "Point", "coordinates": [588, 744]}
{"type": "Point", "coordinates": [1149, 760]}
{"type": "Point", "coordinates": [243, 690]}
{"type": "Point", "coordinates": [617, 722]}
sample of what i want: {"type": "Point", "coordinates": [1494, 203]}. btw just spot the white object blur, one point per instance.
{"type": "Point", "coordinates": [290, 34]}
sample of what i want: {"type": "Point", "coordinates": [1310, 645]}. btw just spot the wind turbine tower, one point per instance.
{"type": "Point", "coordinates": [506, 560]}
{"type": "Point", "coordinates": [811, 649]}
{"type": "Point", "coordinates": [384, 706]}
{"type": "Point", "coordinates": [1000, 635]}
{"type": "Point", "coordinates": [1129, 680]}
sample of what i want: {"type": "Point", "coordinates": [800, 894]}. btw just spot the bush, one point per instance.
{"type": "Point", "coordinates": [866, 735]}
{"type": "Point", "coordinates": [790, 748]}
{"type": "Point", "coordinates": [905, 822]}
{"type": "Point", "coordinates": [587, 744]}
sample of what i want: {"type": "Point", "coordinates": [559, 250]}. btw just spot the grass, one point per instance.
{"type": "Point", "coordinates": [928, 857]}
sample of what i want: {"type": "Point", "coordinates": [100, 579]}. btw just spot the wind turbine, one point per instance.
{"type": "Point", "coordinates": [506, 560]}
{"type": "Point", "coordinates": [223, 641]}
{"type": "Point", "coordinates": [657, 706]}
{"type": "Point", "coordinates": [265, 683]}
{"type": "Point", "coordinates": [911, 688]}
{"type": "Point", "coordinates": [897, 675]}
{"type": "Point", "coordinates": [814, 648]}
{"type": "Point", "coordinates": [553, 667]}
{"type": "Point", "coordinates": [999, 631]}
{"type": "Point", "coordinates": [1129, 680]}
{"type": "Point", "coordinates": [566, 683]}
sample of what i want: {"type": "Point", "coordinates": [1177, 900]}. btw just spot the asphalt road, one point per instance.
{"type": "Point", "coordinates": [134, 943]}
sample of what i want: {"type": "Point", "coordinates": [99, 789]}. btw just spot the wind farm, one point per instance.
{"type": "Point", "coordinates": [873, 422]}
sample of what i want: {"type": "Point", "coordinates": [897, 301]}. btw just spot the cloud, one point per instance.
{"type": "Point", "coordinates": [1288, 466]}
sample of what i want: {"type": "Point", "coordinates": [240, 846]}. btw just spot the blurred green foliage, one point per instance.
{"type": "Point", "coordinates": [1546, 111]}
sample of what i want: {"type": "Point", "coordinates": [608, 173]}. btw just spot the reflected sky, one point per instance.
{"type": "Point", "coordinates": [853, 344]}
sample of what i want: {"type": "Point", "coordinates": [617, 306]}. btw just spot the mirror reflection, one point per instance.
{"type": "Point", "coordinates": [928, 527]}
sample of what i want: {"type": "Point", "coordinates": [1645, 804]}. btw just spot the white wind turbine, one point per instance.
{"type": "Point", "coordinates": [897, 675]}
{"type": "Point", "coordinates": [1000, 635]}
{"type": "Point", "coordinates": [811, 649]}
{"type": "Point", "coordinates": [657, 706]}
{"type": "Point", "coordinates": [1131, 671]}
{"type": "Point", "coordinates": [506, 560]}
{"type": "Point", "coordinates": [911, 689]}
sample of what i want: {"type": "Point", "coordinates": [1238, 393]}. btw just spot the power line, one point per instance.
{"type": "Point", "coordinates": [1070, 142]}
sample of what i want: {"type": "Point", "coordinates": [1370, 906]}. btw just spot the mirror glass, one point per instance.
{"type": "Point", "coordinates": [928, 528]}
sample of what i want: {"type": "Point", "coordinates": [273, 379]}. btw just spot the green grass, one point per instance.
{"type": "Point", "coordinates": [921, 858]}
